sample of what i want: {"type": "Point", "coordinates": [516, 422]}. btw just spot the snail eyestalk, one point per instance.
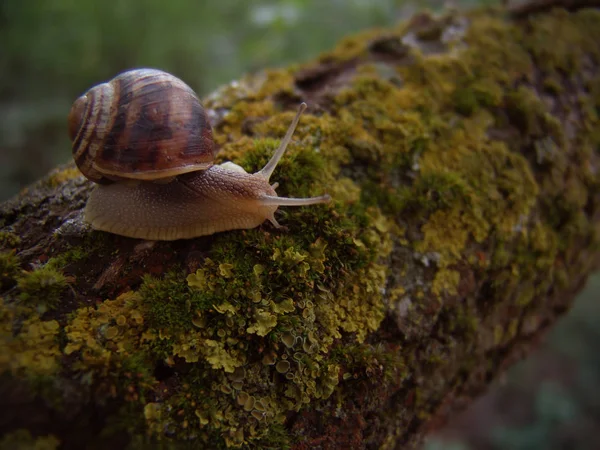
{"type": "Point", "coordinates": [290, 201]}
{"type": "Point", "coordinates": [266, 171]}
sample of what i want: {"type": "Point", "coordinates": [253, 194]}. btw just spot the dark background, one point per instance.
{"type": "Point", "coordinates": [53, 50]}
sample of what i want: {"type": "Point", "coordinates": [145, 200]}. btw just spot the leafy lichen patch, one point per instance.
{"type": "Point", "coordinates": [63, 175]}
{"type": "Point", "coordinates": [115, 329]}
{"type": "Point", "coordinates": [33, 350]}
{"type": "Point", "coordinates": [274, 299]}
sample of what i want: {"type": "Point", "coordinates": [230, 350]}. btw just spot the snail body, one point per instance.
{"type": "Point", "coordinates": [143, 137]}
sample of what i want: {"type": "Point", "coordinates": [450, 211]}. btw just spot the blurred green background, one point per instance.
{"type": "Point", "coordinates": [53, 50]}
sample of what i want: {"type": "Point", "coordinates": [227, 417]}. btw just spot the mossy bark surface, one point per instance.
{"type": "Point", "coordinates": [463, 156]}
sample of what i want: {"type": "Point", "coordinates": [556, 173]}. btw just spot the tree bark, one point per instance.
{"type": "Point", "coordinates": [462, 153]}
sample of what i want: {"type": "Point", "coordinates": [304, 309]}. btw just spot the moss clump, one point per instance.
{"type": "Point", "coordinates": [43, 286]}
{"type": "Point", "coordinates": [9, 240]}
{"type": "Point", "coordinates": [70, 256]}
{"type": "Point", "coordinates": [578, 41]}
{"type": "Point", "coordinates": [169, 304]}
{"type": "Point", "coordinates": [276, 82]}
{"type": "Point", "coordinates": [369, 362]}
{"type": "Point", "coordinates": [494, 54]}
{"type": "Point", "coordinates": [434, 191]}
{"type": "Point", "coordinates": [470, 97]}
{"type": "Point", "coordinates": [499, 188]}
{"type": "Point", "coordinates": [296, 173]}
{"type": "Point", "coordinates": [9, 269]}
{"type": "Point", "coordinates": [530, 115]}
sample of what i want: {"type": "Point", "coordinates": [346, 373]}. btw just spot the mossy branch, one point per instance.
{"type": "Point", "coordinates": [461, 153]}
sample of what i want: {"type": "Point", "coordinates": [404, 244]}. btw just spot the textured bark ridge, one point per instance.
{"type": "Point", "coordinates": [462, 153]}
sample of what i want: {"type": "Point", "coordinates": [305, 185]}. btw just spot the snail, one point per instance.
{"type": "Point", "coordinates": [144, 139]}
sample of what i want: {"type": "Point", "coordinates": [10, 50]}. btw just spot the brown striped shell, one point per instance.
{"type": "Point", "coordinates": [144, 124]}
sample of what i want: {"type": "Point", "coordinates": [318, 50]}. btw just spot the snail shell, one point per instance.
{"type": "Point", "coordinates": [144, 124]}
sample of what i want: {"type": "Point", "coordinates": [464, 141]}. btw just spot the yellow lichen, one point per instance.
{"type": "Point", "coordinates": [219, 358]}
{"type": "Point", "coordinates": [31, 351]}
{"type": "Point", "coordinates": [265, 322]}
{"type": "Point", "coordinates": [224, 308]}
{"type": "Point", "coordinates": [445, 233]}
{"type": "Point", "coordinates": [63, 175]}
{"type": "Point", "coordinates": [445, 282]}
{"type": "Point", "coordinates": [114, 329]}
{"type": "Point", "coordinates": [285, 306]}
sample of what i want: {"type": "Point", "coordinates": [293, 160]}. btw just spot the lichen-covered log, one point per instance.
{"type": "Point", "coordinates": [463, 156]}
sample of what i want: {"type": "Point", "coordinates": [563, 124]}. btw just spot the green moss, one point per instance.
{"type": "Point", "coordinates": [579, 41]}
{"type": "Point", "coordinates": [465, 101]}
{"type": "Point", "coordinates": [495, 54]}
{"type": "Point", "coordinates": [474, 95]}
{"type": "Point", "coordinates": [9, 240]}
{"type": "Point", "coordinates": [530, 115]}
{"type": "Point", "coordinates": [43, 286]}
{"type": "Point", "coordinates": [434, 191]}
{"type": "Point", "coordinates": [370, 362]}
{"type": "Point", "coordinates": [552, 85]}
{"type": "Point", "coordinates": [498, 191]}
{"type": "Point", "coordinates": [72, 255]}
{"type": "Point", "coordinates": [296, 173]}
{"type": "Point", "coordinates": [9, 269]}
{"type": "Point", "coordinates": [279, 82]}
{"type": "Point", "coordinates": [169, 304]}
{"type": "Point", "coordinates": [463, 186]}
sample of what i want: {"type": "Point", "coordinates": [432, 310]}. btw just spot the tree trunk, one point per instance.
{"type": "Point", "coordinates": [462, 154]}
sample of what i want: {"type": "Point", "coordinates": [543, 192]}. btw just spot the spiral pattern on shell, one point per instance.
{"type": "Point", "coordinates": [144, 124]}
